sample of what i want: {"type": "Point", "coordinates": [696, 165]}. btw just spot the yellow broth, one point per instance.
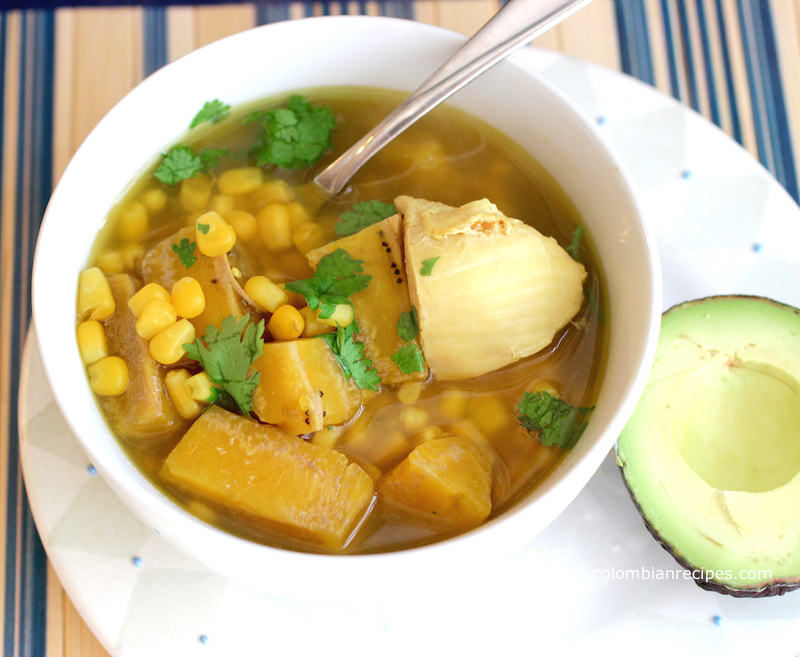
{"type": "Point", "coordinates": [448, 157]}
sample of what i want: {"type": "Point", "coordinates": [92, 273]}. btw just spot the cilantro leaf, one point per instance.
{"type": "Point", "coordinates": [362, 215]}
{"type": "Point", "coordinates": [350, 355]}
{"type": "Point", "coordinates": [213, 111]}
{"type": "Point", "coordinates": [427, 266]}
{"type": "Point", "coordinates": [210, 157]}
{"type": "Point", "coordinates": [408, 325]}
{"type": "Point", "coordinates": [338, 276]}
{"type": "Point", "coordinates": [409, 359]}
{"type": "Point", "coordinates": [204, 228]}
{"type": "Point", "coordinates": [556, 421]}
{"type": "Point", "coordinates": [185, 251]}
{"type": "Point", "coordinates": [294, 137]}
{"type": "Point", "coordinates": [230, 352]}
{"type": "Point", "coordinates": [572, 249]}
{"type": "Point", "coordinates": [182, 162]}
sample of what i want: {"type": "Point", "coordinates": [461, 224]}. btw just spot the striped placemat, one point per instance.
{"type": "Point", "coordinates": [735, 61]}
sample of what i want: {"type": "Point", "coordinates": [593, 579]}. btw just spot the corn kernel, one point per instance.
{"type": "Point", "coordinates": [131, 254]}
{"type": "Point", "coordinates": [111, 262]}
{"type": "Point", "coordinates": [92, 341]}
{"type": "Point", "coordinates": [286, 323]}
{"type": "Point", "coordinates": [167, 347]}
{"type": "Point", "coordinates": [188, 297]}
{"type": "Point", "coordinates": [133, 222]}
{"type": "Point", "coordinates": [453, 402]}
{"type": "Point", "coordinates": [409, 392]}
{"type": "Point", "coordinates": [489, 413]}
{"type": "Point", "coordinates": [144, 296]}
{"type": "Point", "coordinates": [236, 182]}
{"type": "Point", "coordinates": [298, 215]}
{"type": "Point", "coordinates": [108, 377]}
{"type": "Point", "coordinates": [155, 317]}
{"type": "Point", "coordinates": [265, 293]}
{"type": "Point", "coordinates": [244, 224]}
{"type": "Point", "coordinates": [274, 228]}
{"type": "Point", "coordinates": [200, 387]}
{"type": "Point", "coordinates": [175, 383]}
{"type": "Point", "coordinates": [95, 300]}
{"type": "Point", "coordinates": [272, 191]}
{"type": "Point", "coordinates": [312, 326]}
{"type": "Point", "coordinates": [307, 237]}
{"type": "Point", "coordinates": [214, 237]}
{"type": "Point", "coordinates": [413, 418]}
{"type": "Point", "coordinates": [222, 204]}
{"type": "Point", "coordinates": [154, 200]}
{"type": "Point", "coordinates": [545, 385]}
{"type": "Point", "coordinates": [195, 193]}
{"type": "Point", "coordinates": [343, 315]}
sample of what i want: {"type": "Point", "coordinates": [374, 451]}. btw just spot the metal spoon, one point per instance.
{"type": "Point", "coordinates": [517, 23]}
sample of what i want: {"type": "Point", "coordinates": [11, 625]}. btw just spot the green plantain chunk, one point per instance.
{"type": "Point", "coordinates": [313, 493]}
{"type": "Point", "coordinates": [143, 413]}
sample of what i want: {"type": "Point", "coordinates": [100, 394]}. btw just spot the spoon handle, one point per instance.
{"type": "Point", "coordinates": [517, 23]}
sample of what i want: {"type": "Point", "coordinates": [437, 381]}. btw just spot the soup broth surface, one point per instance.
{"type": "Point", "coordinates": [447, 157]}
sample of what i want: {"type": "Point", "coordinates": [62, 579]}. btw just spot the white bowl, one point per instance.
{"type": "Point", "coordinates": [379, 52]}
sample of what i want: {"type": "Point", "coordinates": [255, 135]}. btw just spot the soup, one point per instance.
{"type": "Point", "coordinates": [328, 375]}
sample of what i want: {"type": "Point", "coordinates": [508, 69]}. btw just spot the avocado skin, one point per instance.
{"type": "Point", "coordinates": [775, 588]}
{"type": "Point", "coordinates": [778, 588]}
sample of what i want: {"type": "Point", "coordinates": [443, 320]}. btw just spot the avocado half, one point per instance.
{"type": "Point", "coordinates": [711, 455]}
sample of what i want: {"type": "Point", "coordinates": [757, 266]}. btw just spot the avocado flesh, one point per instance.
{"type": "Point", "coordinates": [711, 455]}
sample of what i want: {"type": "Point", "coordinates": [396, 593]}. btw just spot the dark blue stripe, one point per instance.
{"type": "Point", "coordinates": [736, 121]}
{"type": "Point", "coordinates": [26, 588]}
{"type": "Point", "coordinates": [711, 86]}
{"type": "Point", "coordinates": [269, 12]}
{"type": "Point", "coordinates": [688, 56]}
{"type": "Point", "coordinates": [634, 40]}
{"type": "Point", "coordinates": [398, 9]}
{"type": "Point", "coordinates": [155, 39]}
{"type": "Point", "coordinates": [773, 134]}
{"type": "Point", "coordinates": [672, 60]}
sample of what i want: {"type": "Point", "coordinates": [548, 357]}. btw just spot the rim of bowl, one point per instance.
{"type": "Point", "coordinates": [563, 483]}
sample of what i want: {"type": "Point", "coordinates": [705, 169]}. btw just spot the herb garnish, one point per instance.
{"type": "Point", "coordinates": [337, 277]}
{"type": "Point", "coordinates": [213, 111]}
{"type": "Point", "coordinates": [409, 359]}
{"type": "Point", "coordinates": [182, 162]}
{"type": "Point", "coordinates": [185, 251]}
{"type": "Point", "coordinates": [350, 355]}
{"type": "Point", "coordinates": [294, 137]}
{"type": "Point", "coordinates": [556, 421]}
{"type": "Point", "coordinates": [362, 215]}
{"type": "Point", "coordinates": [572, 249]}
{"type": "Point", "coordinates": [408, 325]}
{"type": "Point", "coordinates": [227, 359]}
{"type": "Point", "coordinates": [204, 228]}
{"type": "Point", "coordinates": [427, 266]}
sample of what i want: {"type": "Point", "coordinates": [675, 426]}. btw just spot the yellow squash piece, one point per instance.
{"type": "Point", "coordinates": [446, 481]}
{"type": "Point", "coordinates": [308, 491]}
{"type": "Point", "coordinates": [223, 294]}
{"type": "Point", "coordinates": [143, 413]}
{"type": "Point", "coordinates": [489, 289]}
{"type": "Point", "coordinates": [302, 387]}
{"type": "Point", "coordinates": [379, 306]}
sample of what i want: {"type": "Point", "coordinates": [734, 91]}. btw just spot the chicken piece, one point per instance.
{"type": "Point", "coordinates": [489, 290]}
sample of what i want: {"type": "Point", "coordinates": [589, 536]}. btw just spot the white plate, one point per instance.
{"type": "Point", "coordinates": [593, 581]}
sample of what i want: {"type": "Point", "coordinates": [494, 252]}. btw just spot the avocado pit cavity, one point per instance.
{"type": "Point", "coordinates": [737, 425]}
